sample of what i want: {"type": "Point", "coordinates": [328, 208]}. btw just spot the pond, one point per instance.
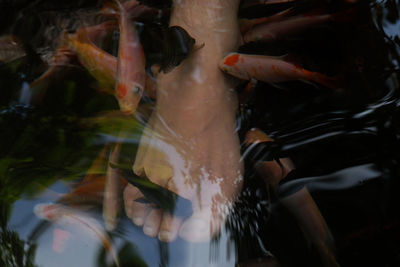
{"type": "Point", "coordinates": [199, 133]}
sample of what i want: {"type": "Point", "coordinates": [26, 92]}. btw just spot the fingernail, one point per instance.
{"type": "Point", "coordinates": [138, 220]}
{"type": "Point", "coordinates": [165, 236]}
{"type": "Point", "coordinates": [148, 230]}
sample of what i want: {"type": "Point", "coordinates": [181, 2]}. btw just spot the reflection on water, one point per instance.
{"type": "Point", "coordinates": [320, 184]}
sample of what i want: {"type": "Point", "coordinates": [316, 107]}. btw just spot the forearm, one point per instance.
{"type": "Point", "coordinates": [197, 87]}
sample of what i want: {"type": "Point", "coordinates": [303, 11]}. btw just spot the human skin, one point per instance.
{"type": "Point", "coordinates": [189, 144]}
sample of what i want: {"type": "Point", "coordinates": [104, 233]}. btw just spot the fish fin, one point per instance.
{"type": "Point", "coordinates": [333, 83]}
{"type": "Point", "coordinates": [291, 58]}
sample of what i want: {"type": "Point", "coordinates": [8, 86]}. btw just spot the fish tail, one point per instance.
{"type": "Point", "coordinates": [327, 81]}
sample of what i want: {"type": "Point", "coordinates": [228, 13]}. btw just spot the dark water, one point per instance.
{"type": "Point", "coordinates": [344, 144]}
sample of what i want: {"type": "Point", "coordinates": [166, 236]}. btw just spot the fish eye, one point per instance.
{"type": "Point", "coordinates": [136, 89]}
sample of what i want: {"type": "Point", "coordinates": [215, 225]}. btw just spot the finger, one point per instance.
{"type": "Point", "coordinates": [169, 228]}
{"type": "Point", "coordinates": [139, 212]}
{"type": "Point", "coordinates": [131, 193]}
{"type": "Point", "coordinates": [152, 222]}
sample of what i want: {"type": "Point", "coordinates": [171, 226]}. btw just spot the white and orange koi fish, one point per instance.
{"type": "Point", "coordinates": [64, 215]}
{"type": "Point", "coordinates": [270, 69]}
{"type": "Point", "coordinates": [131, 76]}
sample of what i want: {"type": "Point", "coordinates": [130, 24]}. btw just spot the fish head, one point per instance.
{"type": "Point", "coordinates": [129, 95]}
{"type": "Point", "coordinates": [232, 64]}
{"type": "Point", "coordinates": [48, 212]}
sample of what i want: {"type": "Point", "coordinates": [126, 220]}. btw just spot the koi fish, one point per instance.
{"type": "Point", "coordinates": [276, 30]}
{"type": "Point", "coordinates": [99, 63]}
{"type": "Point", "coordinates": [270, 69]}
{"type": "Point", "coordinates": [64, 215]}
{"type": "Point", "coordinates": [84, 44]}
{"type": "Point", "coordinates": [131, 75]}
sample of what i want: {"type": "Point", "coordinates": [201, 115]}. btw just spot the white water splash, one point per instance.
{"type": "Point", "coordinates": [25, 95]}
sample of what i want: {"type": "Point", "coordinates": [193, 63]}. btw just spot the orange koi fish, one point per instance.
{"type": "Point", "coordinates": [270, 69]}
{"type": "Point", "coordinates": [64, 215]}
{"type": "Point", "coordinates": [99, 63]}
{"type": "Point", "coordinates": [276, 30]}
{"type": "Point", "coordinates": [81, 44]}
{"type": "Point", "coordinates": [85, 45]}
{"type": "Point", "coordinates": [131, 75]}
